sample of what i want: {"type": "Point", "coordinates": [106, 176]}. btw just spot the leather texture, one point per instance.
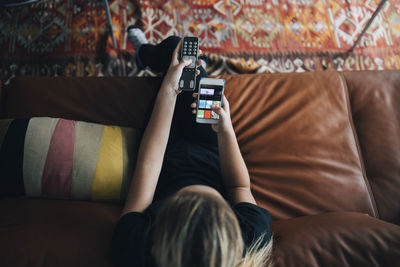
{"type": "Point", "coordinates": [56, 233]}
{"type": "Point", "coordinates": [322, 151]}
{"type": "Point", "coordinates": [297, 138]}
{"type": "Point", "coordinates": [107, 100]}
{"type": "Point", "coordinates": [375, 103]}
{"type": "Point", "coordinates": [336, 239]}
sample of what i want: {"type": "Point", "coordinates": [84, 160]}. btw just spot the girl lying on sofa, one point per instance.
{"type": "Point", "coordinates": [189, 202]}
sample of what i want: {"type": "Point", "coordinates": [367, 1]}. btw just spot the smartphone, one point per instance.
{"type": "Point", "coordinates": [210, 92]}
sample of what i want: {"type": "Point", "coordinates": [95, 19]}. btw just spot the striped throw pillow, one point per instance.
{"type": "Point", "coordinates": [65, 159]}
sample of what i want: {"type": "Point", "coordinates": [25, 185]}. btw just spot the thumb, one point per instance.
{"type": "Point", "coordinates": [218, 110]}
{"type": "Point", "coordinates": [184, 63]}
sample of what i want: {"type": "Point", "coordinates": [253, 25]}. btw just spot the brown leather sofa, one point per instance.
{"type": "Point", "coordinates": [322, 149]}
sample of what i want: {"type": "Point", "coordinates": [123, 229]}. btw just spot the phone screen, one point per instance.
{"type": "Point", "coordinates": [209, 95]}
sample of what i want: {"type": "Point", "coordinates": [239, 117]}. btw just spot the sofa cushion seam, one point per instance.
{"type": "Point", "coordinates": [357, 142]}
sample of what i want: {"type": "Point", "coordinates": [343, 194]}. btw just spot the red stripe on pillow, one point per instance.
{"type": "Point", "coordinates": [57, 174]}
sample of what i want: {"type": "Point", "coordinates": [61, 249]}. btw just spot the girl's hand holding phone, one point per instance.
{"type": "Point", "coordinates": [224, 123]}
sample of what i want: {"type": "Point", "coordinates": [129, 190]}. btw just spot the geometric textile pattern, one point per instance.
{"type": "Point", "coordinates": [62, 28]}
{"type": "Point", "coordinates": [71, 38]}
{"type": "Point", "coordinates": [243, 26]}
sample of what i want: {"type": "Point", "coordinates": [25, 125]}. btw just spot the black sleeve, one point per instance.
{"type": "Point", "coordinates": [254, 221]}
{"type": "Point", "coordinates": [130, 237]}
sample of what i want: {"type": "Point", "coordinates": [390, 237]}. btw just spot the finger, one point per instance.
{"type": "Point", "coordinates": [200, 52]}
{"type": "Point", "coordinates": [194, 111]}
{"type": "Point", "coordinates": [217, 109]}
{"type": "Point", "coordinates": [225, 102]}
{"type": "Point", "coordinates": [185, 63]}
{"type": "Point", "coordinates": [195, 95]}
{"type": "Point", "coordinates": [197, 72]}
{"type": "Point", "coordinates": [175, 56]}
{"type": "Point", "coordinates": [193, 105]}
{"type": "Point", "coordinates": [199, 62]}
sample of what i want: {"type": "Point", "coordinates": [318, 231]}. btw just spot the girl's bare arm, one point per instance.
{"type": "Point", "coordinates": [154, 141]}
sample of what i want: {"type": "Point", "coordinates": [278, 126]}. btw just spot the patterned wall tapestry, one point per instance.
{"type": "Point", "coordinates": [70, 37]}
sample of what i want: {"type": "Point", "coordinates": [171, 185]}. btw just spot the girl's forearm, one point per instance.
{"type": "Point", "coordinates": [155, 137]}
{"type": "Point", "coordinates": [233, 168]}
{"type": "Point", "coordinates": [151, 152]}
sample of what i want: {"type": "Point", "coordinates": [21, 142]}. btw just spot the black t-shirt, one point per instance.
{"type": "Point", "coordinates": [188, 163]}
{"type": "Point", "coordinates": [185, 163]}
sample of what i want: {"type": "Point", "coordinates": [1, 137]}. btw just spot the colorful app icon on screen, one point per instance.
{"type": "Point", "coordinates": [207, 114]}
{"type": "Point", "coordinates": [214, 115]}
{"type": "Point", "coordinates": [200, 113]}
{"type": "Point", "coordinates": [202, 104]}
{"type": "Point", "coordinates": [209, 103]}
{"type": "Point", "coordinates": [216, 103]}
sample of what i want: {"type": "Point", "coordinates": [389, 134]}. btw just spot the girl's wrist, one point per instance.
{"type": "Point", "coordinates": [227, 130]}
{"type": "Point", "coordinates": [168, 91]}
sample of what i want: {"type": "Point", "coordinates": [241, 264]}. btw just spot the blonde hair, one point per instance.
{"type": "Point", "coordinates": [195, 229]}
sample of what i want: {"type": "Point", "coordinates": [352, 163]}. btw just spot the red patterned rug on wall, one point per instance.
{"type": "Point", "coordinates": [55, 37]}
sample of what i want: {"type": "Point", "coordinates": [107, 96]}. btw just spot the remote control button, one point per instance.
{"type": "Point", "coordinates": [191, 84]}
{"type": "Point", "coordinates": [181, 84]}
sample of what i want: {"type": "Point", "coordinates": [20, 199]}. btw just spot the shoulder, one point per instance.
{"type": "Point", "coordinates": [130, 237]}
{"type": "Point", "coordinates": [249, 211]}
{"type": "Point", "coordinates": [254, 221]}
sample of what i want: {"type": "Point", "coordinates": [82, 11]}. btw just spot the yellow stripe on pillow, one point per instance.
{"type": "Point", "coordinates": [109, 170]}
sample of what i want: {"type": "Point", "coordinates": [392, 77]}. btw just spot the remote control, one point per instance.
{"type": "Point", "coordinates": [189, 50]}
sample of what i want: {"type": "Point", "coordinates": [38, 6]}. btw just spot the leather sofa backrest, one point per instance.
{"type": "Point", "coordinates": [119, 101]}
{"type": "Point", "coordinates": [297, 137]}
